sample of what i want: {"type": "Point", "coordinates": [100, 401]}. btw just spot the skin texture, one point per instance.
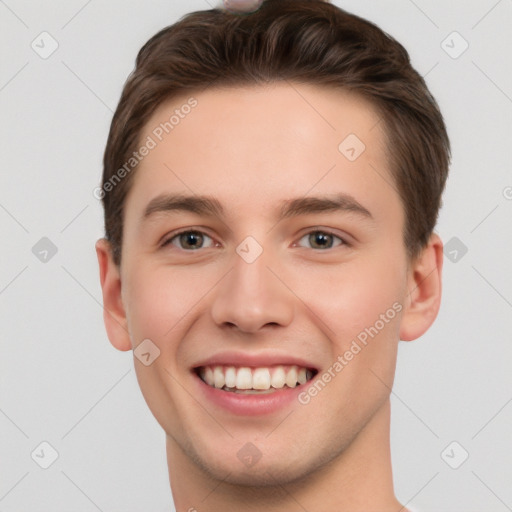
{"type": "Point", "coordinates": [253, 148]}
{"type": "Point", "coordinates": [242, 6]}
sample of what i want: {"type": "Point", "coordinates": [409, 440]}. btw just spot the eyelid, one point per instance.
{"type": "Point", "coordinates": [345, 239]}
{"type": "Point", "coordinates": [319, 229]}
{"type": "Point", "coordinates": [166, 239]}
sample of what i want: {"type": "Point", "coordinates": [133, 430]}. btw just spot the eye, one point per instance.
{"type": "Point", "coordinates": [322, 240]}
{"type": "Point", "coordinates": [190, 240]}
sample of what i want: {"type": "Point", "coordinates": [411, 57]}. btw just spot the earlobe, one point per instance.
{"type": "Point", "coordinates": [114, 314]}
{"type": "Point", "coordinates": [425, 287]}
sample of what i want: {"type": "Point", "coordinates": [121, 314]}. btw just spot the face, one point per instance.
{"type": "Point", "coordinates": [263, 258]}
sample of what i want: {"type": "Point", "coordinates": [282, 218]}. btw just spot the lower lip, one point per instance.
{"type": "Point", "coordinates": [250, 404]}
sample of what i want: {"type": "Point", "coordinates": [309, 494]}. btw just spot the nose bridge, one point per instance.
{"type": "Point", "coordinates": [250, 296]}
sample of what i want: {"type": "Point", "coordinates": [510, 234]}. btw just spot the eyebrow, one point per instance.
{"type": "Point", "coordinates": [211, 207]}
{"type": "Point", "coordinates": [202, 205]}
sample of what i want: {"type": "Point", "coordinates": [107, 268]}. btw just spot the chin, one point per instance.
{"type": "Point", "coordinates": [265, 475]}
{"type": "Point", "coordinates": [270, 470]}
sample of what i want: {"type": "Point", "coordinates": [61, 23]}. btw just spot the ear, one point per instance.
{"type": "Point", "coordinates": [114, 314]}
{"type": "Point", "coordinates": [425, 286]}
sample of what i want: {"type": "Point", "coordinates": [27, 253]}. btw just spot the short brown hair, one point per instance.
{"type": "Point", "coordinates": [304, 41]}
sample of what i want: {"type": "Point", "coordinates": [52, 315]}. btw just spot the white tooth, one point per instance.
{"type": "Point", "coordinates": [301, 376]}
{"type": "Point", "coordinates": [291, 377]}
{"type": "Point", "coordinates": [278, 377]}
{"type": "Point", "coordinates": [230, 376]}
{"type": "Point", "coordinates": [309, 375]}
{"type": "Point", "coordinates": [261, 378]}
{"type": "Point", "coordinates": [244, 378]}
{"type": "Point", "coordinates": [218, 377]}
{"type": "Point", "coordinates": [208, 376]}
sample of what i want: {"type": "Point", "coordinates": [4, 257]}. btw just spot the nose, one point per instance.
{"type": "Point", "coordinates": [251, 296]}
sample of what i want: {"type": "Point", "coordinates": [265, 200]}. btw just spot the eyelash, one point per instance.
{"type": "Point", "coordinates": [175, 236]}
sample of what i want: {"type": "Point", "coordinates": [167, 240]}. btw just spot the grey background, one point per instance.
{"type": "Point", "coordinates": [60, 379]}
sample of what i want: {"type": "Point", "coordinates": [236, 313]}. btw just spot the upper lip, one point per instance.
{"type": "Point", "coordinates": [255, 360]}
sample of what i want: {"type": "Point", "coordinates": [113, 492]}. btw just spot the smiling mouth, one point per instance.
{"type": "Point", "coordinates": [261, 380]}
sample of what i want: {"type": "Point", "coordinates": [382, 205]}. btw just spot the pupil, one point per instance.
{"type": "Point", "coordinates": [320, 239]}
{"type": "Point", "coordinates": [191, 239]}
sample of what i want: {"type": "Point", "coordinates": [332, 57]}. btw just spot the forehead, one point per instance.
{"type": "Point", "coordinates": [253, 146]}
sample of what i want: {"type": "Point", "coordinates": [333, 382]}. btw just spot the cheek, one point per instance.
{"type": "Point", "coordinates": [154, 302]}
{"type": "Point", "coordinates": [161, 301]}
{"type": "Point", "coordinates": [353, 297]}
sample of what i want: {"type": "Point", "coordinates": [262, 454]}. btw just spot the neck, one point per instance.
{"type": "Point", "coordinates": [360, 479]}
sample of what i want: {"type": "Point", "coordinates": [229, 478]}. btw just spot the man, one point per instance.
{"type": "Point", "coordinates": [271, 185]}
